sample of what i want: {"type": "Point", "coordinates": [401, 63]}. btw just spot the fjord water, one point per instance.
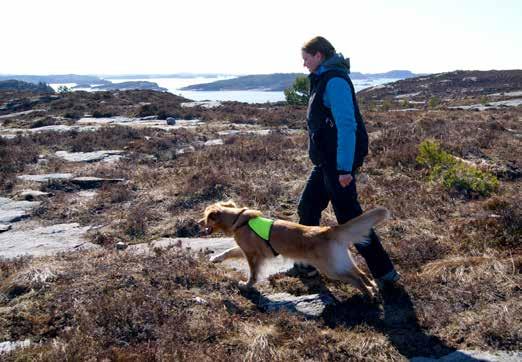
{"type": "Point", "coordinates": [248, 96]}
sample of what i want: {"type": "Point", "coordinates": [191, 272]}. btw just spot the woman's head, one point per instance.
{"type": "Point", "coordinates": [315, 51]}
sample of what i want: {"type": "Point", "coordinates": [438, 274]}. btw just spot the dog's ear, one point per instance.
{"type": "Point", "coordinates": [213, 215]}
{"type": "Point", "coordinates": [228, 203]}
{"type": "Point", "coordinates": [244, 217]}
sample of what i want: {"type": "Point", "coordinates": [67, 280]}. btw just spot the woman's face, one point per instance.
{"type": "Point", "coordinates": [312, 61]}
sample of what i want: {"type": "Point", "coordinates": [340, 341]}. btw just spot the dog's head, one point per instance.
{"type": "Point", "coordinates": [225, 217]}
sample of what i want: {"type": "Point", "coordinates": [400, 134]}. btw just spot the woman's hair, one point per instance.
{"type": "Point", "coordinates": [319, 44]}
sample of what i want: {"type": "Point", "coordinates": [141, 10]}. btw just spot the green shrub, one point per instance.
{"type": "Point", "coordinates": [454, 174]}
{"type": "Point", "coordinates": [298, 93]}
{"type": "Point", "coordinates": [437, 160]}
{"type": "Point", "coordinates": [465, 178]}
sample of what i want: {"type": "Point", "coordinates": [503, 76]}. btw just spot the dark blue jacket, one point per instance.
{"type": "Point", "coordinates": [337, 132]}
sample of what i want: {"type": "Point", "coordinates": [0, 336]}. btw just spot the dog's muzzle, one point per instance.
{"type": "Point", "coordinates": [204, 231]}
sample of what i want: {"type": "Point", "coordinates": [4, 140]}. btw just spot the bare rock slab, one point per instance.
{"type": "Point", "coordinates": [46, 177]}
{"type": "Point", "coordinates": [311, 305]}
{"type": "Point", "coordinates": [9, 346]}
{"type": "Point", "coordinates": [43, 240]}
{"type": "Point", "coordinates": [13, 211]}
{"type": "Point", "coordinates": [106, 156]}
{"type": "Point", "coordinates": [474, 356]}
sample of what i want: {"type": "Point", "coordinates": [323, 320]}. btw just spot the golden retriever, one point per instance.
{"type": "Point", "coordinates": [326, 248]}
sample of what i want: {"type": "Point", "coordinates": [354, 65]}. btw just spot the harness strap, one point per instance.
{"type": "Point", "coordinates": [237, 218]}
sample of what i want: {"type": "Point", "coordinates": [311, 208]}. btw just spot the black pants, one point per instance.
{"type": "Point", "coordinates": [322, 187]}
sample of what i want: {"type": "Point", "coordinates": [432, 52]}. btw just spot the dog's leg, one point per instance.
{"type": "Point", "coordinates": [234, 252]}
{"type": "Point", "coordinates": [342, 267]}
{"type": "Point", "coordinates": [253, 264]}
{"type": "Point", "coordinates": [367, 280]}
{"type": "Point", "coordinates": [351, 277]}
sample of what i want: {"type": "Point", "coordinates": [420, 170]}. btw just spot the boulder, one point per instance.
{"type": "Point", "coordinates": [171, 121]}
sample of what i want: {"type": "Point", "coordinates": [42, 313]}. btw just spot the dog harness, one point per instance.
{"type": "Point", "coordinates": [262, 227]}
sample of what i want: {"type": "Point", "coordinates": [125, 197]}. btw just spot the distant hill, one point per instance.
{"type": "Point", "coordinates": [392, 74]}
{"type": "Point", "coordinates": [263, 82]}
{"type": "Point", "coordinates": [63, 78]}
{"type": "Point", "coordinates": [17, 85]}
{"type": "Point", "coordinates": [451, 85]}
{"type": "Point", "coordinates": [280, 81]}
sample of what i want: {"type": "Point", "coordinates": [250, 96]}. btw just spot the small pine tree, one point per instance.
{"type": "Point", "coordinates": [386, 105]}
{"type": "Point", "coordinates": [63, 89]}
{"type": "Point", "coordinates": [298, 93]}
{"type": "Point", "coordinates": [433, 102]}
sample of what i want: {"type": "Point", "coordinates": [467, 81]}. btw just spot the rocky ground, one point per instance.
{"type": "Point", "coordinates": [104, 190]}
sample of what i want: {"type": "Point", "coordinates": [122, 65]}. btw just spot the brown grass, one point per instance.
{"type": "Point", "coordinates": [460, 259]}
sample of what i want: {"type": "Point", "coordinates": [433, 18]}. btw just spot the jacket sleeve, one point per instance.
{"type": "Point", "coordinates": [338, 97]}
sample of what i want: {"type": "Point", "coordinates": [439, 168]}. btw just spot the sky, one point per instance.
{"type": "Point", "coordinates": [255, 37]}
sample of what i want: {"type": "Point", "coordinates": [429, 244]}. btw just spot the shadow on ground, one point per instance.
{"type": "Point", "coordinates": [394, 316]}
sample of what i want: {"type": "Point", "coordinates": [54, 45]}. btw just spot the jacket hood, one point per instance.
{"type": "Point", "coordinates": [336, 61]}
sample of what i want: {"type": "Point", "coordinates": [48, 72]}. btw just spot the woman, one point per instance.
{"type": "Point", "coordinates": [337, 145]}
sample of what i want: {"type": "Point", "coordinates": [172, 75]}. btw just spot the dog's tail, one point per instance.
{"type": "Point", "coordinates": [357, 231]}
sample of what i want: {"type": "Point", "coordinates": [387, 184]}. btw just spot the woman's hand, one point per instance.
{"type": "Point", "coordinates": [345, 179]}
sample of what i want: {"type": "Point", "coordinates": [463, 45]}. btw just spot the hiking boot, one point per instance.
{"type": "Point", "coordinates": [302, 270]}
{"type": "Point", "coordinates": [388, 279]}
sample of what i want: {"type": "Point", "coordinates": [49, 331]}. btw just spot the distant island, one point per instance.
{"type": "Point", "coordinates": [278, 82]}
{"type": "Point", "coordinates": [140, 85]}
{"type": "Point", "coordinates": [90, 82]}
{"type": "Point", "coordinates": [62, 78]}
{"type": "Point", "coordinates": [21, 86]}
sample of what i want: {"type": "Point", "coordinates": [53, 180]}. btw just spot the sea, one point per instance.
{"type": "Point", "coordinates": [173, 85]}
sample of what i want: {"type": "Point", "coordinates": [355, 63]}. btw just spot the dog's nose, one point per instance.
{"type": "Point", "coordinates": [204, 231]}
